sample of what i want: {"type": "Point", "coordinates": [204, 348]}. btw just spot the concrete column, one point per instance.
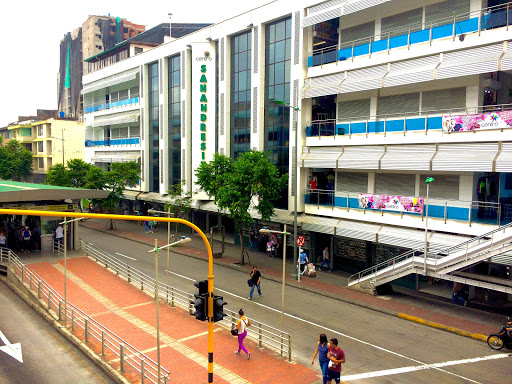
{"type": "Point", "coordinates": [475, 5]}
{"type": "Point", "coordinates": [374, 102]}
{"type": "Point", "coordinates": [371, 182]}
{"type": "Point", "coordinates": [417, 184]}
{"type": "Point", "coordinates": [474, 96]}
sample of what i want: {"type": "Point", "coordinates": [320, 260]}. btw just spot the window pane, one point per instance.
{"type": "Point", "coordinates": [272, 34]}
{"type": "Point", "coordinates": [242, 43]}
{"type": "Point", "coordinates": [242, 61]}
{"type": "Point", "coordinates": [279, 73]}
{"type": "Point", "coordinates": [280, 47]}
{"type": "Point", "coordinates": [288, 28]}
{"type": "Point", "coordinates": [280, 31]}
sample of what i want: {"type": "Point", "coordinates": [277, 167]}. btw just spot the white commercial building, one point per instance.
{"type": "Point", "coordinates": [390, 93]}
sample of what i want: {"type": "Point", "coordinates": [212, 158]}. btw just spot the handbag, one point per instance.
{"type": "Point", "coordinates": [234, 331]}
{"type": "Point", "coordinates": [250, 283]}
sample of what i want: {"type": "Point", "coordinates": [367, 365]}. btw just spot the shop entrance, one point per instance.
{"type": "Point", "coordinates": [487, 192]}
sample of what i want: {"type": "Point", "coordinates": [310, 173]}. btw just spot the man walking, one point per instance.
{"type": "Point", "coordinates": [336, 357]}
{"type": "Point", "coordinates": [325, 260]}
{"type": "Point", "coordinates": [303, 262]}
{"type": "Point", "coordinates": [256, 279]}
{"type": "Point", "coordinates": [59, 237]}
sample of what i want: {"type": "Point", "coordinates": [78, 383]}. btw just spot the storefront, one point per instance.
{"type": "Point", "coordinates": [27, 196]}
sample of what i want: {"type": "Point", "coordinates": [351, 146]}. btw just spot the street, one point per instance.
{"type": "Point", "coordinates": [378, 348]}
{"type": "Point", "coordinates": [47, 356]}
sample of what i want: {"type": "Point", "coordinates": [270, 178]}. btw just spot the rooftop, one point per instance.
{"type": "Point", "coordinates": [14, 191]}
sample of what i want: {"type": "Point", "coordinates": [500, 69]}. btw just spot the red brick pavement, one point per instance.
{"type": "Point", "coordinates": [264, 366]}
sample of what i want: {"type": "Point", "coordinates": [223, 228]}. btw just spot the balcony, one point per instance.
{"type": "Point", "coordinates": [446, 120]}
{"type": "Point", "coordinates": [460, 24]}
{"type": "Point", "coordinates": [112, 105]}
{"type": "Point", "coordinates": [458, 210]}
{"type": "Point", "coordinates": [115, 142]}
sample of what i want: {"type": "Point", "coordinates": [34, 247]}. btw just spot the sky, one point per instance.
{"type": "Point", "coordinates": [29, 60]}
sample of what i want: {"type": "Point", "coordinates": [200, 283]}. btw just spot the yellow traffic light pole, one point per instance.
{"type": "Point", "coordinates": [28, 212]}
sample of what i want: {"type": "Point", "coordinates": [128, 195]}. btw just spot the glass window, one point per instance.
{"type": "Point", "coordinates": [174, 120]}
{"type": "Point", "coordinates": [277, 86]}
{"type": "Point", "coordinates": [240, 89]}
{"type": "Point", "coordinates": [154, 176]}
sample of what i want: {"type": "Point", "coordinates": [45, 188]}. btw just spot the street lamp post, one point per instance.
{"type": "Point", "coordinates": [157, 294]}
{"type": "Point", "coordinates": [284, 233]}
{"type": "Point", "coordinates": [428, 181]}
{"type": "Point", "coordinates": [152, 212]}
{"type": "Point", "coordinates": [66, 267]}
{"type": "Point", "coordinates": [295, 234]}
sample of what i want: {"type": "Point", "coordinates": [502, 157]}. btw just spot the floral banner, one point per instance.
{"type": "Point", "coordinates": [492, 120]}
{"type": "Point", "coordinates": [391, 203]}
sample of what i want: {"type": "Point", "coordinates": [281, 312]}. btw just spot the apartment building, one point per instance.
{"type": "Point", "coordinates": [51, 141]}
{"type": "Point", "coordinates": [97, 34]}
{"type": "Point", "coordinates": [389, 94]}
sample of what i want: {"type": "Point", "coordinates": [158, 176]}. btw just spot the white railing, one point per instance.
{"type": "Point", "coordinates": [393, 265]}
{"type": "Point", "coordinates": [264, 334]}
{"type": "Point", "coordinates": [491, 211]}
{"type": "Point", "coordinates": [328, 127]}
{"type": "Point", "coordinates": [96, 336]}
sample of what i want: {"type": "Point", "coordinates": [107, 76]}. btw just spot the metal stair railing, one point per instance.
{"type": "Point", "coordinates": [357, 277]}
{"type": "Point", "coordinates": [84, 326]}
{"type": "Point", "coordinates": [263, 333]}
{"type": "Point", "coordinates": [393, 262]}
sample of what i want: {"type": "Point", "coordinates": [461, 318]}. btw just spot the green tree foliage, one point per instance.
{"type": "Point", "coordinates": [79, 174]}
{"type": "Point", "coordinates": [15, 162]}
{"type": "Point", "coordinates": [180, 201]}
{"type": "Point", "coordinates": [251, 180]}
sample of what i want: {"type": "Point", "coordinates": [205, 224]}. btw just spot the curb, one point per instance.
{"type": "Point", "coordinates": [414, 319]}
{"type": "Point", "coordinates": [79, 344]}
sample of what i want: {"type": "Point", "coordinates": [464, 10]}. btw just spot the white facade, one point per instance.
{"type": "Point", "coordinates": [372, 108]}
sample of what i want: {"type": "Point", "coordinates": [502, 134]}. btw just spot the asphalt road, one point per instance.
{"type": "Point", "coordinates": [379, 348]}
{"type": "Point", "coordinates": [47, 356]}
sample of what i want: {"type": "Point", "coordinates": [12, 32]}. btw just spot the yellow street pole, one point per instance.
{"type": "Point", "coordinates": [29, 212]}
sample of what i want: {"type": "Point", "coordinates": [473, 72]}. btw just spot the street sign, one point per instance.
{"type": "Point", "coordinates": [300, 241]}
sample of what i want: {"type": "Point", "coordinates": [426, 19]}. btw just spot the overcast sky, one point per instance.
{"type": "Point", "coordinates": [32, 31]}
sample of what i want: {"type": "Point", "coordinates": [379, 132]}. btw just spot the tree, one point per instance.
{"type": "Point", "coordinates": [15, 162]}
{"type": "Point", "coordinates": [236, 185]}
{"type": "Point", "coordinates": [79, 174]}
{"type": "Point", "coordinates": [180, 201]}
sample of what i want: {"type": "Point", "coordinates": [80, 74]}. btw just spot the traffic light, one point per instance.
{"type": "Point", "coordinates": [201, 301]}
{"type": "Point", "coordinates": [218, 310]}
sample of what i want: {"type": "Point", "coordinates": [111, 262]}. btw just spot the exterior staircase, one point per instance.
{"type": "Point", "coordinates": [495, 245]}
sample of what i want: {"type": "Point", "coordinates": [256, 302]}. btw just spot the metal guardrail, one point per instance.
{"type": "Point", "coordinates": [458, 24]}
{"type": "Point", "coordinates": [467, 245]}
{"type": "Point", "coordinates": [328, 127]}
{"type": "Point", "coordinates": [327, 198]}
{"type": "Point", "coordinates": [263, 333]}
{"type": "Point", "coordinates": [96, 336]}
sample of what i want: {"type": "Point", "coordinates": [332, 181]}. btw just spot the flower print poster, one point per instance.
{"type": "Point", "coordinates": [493, 120]}
{"type": "Point", "coordinates": [391, 203]}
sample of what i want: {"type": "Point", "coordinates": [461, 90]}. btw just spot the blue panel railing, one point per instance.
{"type": "Point", "coordinates": [466, 211]}
{"type": "Point", "coordinates": [484, 19]}
{"type": "Point", "coordinates": [404, 122]}
{"type": "Point", "coordinates": [113, 104]}
{"type": "Point", "coordinates": [112, 142]}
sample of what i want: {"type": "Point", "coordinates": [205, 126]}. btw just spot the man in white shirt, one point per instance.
{"type": "Point", "coordinates": [59, 237]}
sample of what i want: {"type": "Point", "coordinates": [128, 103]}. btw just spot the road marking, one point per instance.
{"type": "Point", "coordinates": [128, 257]}
{"type": "Point", "coordinates": [337, 332]}
{"type": "Point", "coordinates": [13, 350]}
{"type": "Point", "coordinates": [165, 339]}
{"type": "Point", "coordinates": [198, 335]}
{"type": "Point", "coordinates": [396, 371]}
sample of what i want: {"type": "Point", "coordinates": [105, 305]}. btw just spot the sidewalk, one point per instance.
{"type": "Point", "coordinates": [407, 304]}
{"type": "Point", "coordinates": [130, 313]}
